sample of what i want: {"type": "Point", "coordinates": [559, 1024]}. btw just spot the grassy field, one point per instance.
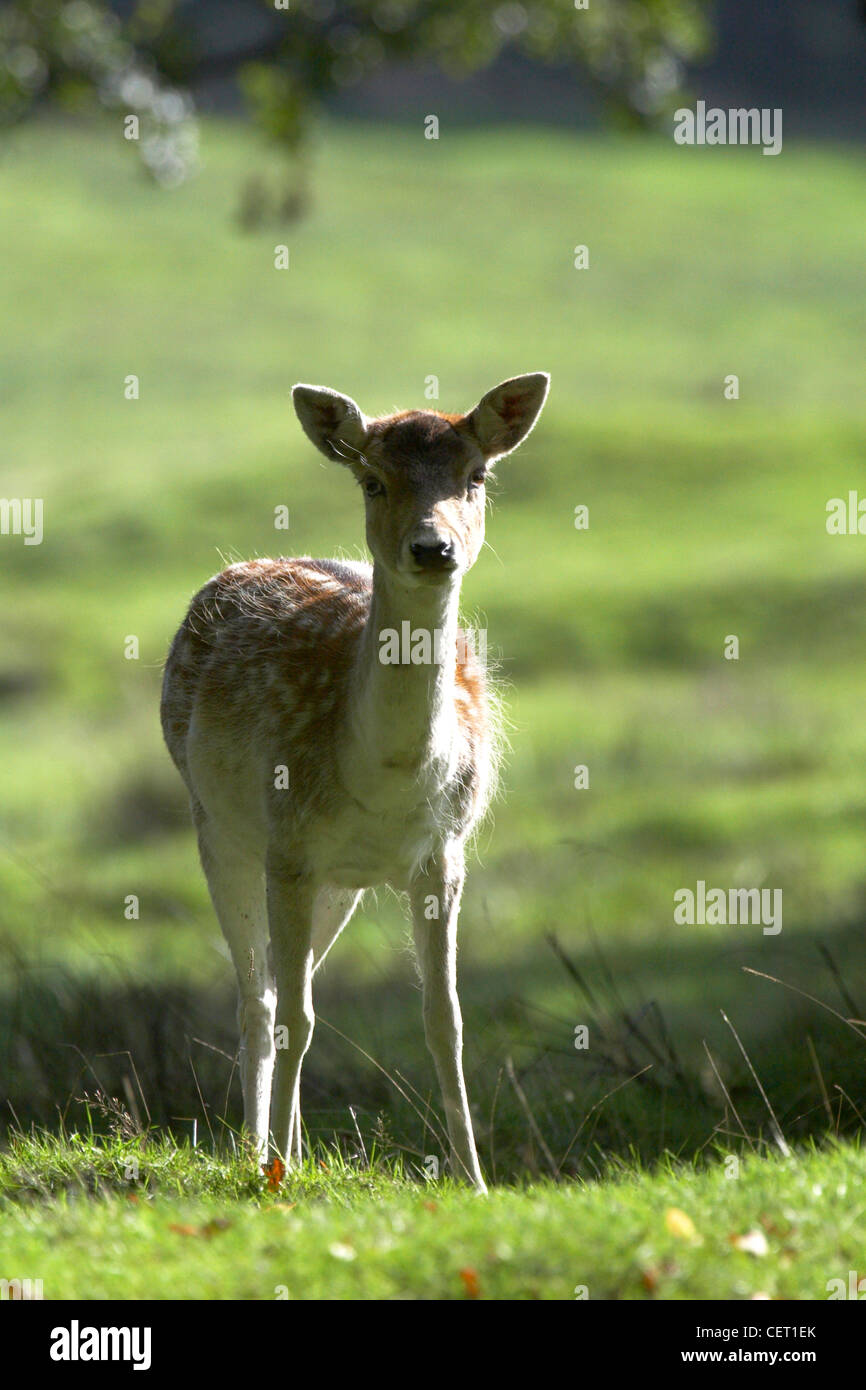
{"type": "Point", "coordinates": [707, 518]}
{"type": "Point", "coordinates": [185, 1226]}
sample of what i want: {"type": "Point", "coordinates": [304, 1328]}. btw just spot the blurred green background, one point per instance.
{"type": "Point", "coordinates": [707, 518]}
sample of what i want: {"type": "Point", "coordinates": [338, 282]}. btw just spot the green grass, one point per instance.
{"type": "Point", "coordinates": [706, 518]}
{"type": "Point", "coordinates": [153, 1221]}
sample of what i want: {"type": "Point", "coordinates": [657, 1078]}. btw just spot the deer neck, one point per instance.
{"type": "Point", "coordinates": [403, 717]}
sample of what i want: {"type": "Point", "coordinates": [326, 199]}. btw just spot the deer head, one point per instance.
{"type": "Point", "coordinates": [423, 473]}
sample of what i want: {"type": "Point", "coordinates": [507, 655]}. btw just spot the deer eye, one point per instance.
{"type": "Point", "coordinates": [372, 487]}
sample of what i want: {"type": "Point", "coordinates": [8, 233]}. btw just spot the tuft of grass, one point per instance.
{"type": "Point", "coordinates": [43, 1168]}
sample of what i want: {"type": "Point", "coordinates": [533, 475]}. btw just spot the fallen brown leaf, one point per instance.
{"type": "Point", "coordinates": [274, 1172]}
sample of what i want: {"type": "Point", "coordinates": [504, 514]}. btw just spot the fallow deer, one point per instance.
{"type": "Point", "coordinates": [316, 768]}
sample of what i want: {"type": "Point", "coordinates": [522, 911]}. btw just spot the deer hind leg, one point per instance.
{"type": "Point", "coordinates": [237, 889]}
{"type": "Point", "coordinates": [435, 898]}
{"type": "Point", "coordinates": [290, 899]}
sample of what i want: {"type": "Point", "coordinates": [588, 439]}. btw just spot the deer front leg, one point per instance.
{"type": "Point", "coordinates": [435, 897]}
{"type": "Point", "coordinates": [290, 919]}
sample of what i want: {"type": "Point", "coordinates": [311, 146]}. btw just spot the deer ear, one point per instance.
{"type": "Point", "coordinates": [333, 422]}
{"type": "Point", "coordinates": [504, 417]}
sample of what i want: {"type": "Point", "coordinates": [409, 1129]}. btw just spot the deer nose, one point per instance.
{"type": "Point", "coordinates": [433, 555]}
